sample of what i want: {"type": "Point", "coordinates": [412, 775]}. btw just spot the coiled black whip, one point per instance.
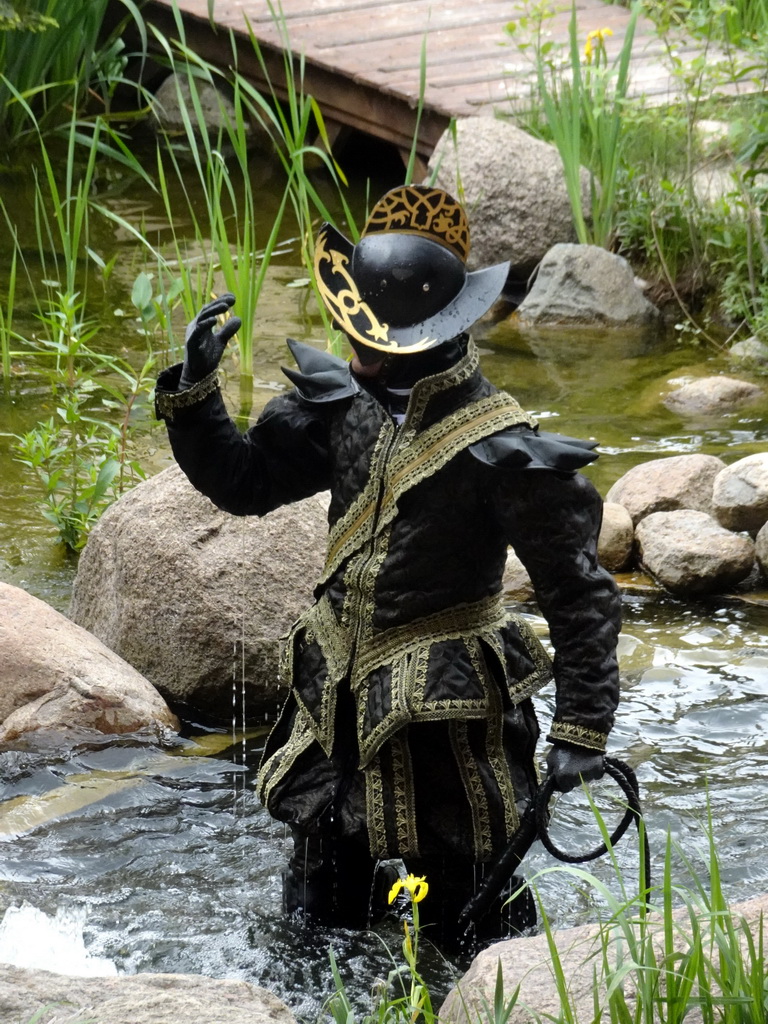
{"type": "Point", "coordinates": [535, 825]}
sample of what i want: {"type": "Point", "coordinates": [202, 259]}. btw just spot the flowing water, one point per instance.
{"type": "Point", "coordinates": [164, 860]}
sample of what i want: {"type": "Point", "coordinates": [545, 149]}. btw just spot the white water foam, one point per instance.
{"type": "Point", "coordinates": [30, 938]}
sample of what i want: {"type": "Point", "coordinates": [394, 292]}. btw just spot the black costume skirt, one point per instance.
{"type": "Point", "coordinates": [452, 788]}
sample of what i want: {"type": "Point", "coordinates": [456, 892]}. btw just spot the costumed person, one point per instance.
{"type": "Point", "coordinates": [409, 732]}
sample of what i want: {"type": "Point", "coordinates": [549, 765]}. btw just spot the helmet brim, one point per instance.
{"type": "Point", "coordinates": [341, 296]}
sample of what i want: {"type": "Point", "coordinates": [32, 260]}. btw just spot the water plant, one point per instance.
{"type": "Point", "coordinates": [82, 458]}
{"type": "Point", "coordinates": [403, 996]}
{"type": "Point", "coordinates": [226, 247]}
{"type": "Point", "coordinates": [583, 106]}
{"type": "Point", "coordinates": [672, 953]}
{"type": "Point", "coordinates": [52, 53]}
{"type": "Point", "coordinates": [731, 22]}
{"type": "Point", "coordinates": [682, 956]}
{"type": "Point", "coordinates": [237, 246]}
{"type": "Point", "coordinates": [82, 454]}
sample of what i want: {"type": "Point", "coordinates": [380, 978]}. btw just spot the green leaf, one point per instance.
{"type": "Point", "coordinates": [142, 292]}
{"type": "Point", "coordinates": [109, 470]}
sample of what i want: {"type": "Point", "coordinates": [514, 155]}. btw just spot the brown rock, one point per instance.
{"type": "Point", "coordinates": [194, 597]}
{"type": "Point", "coordinates": [740, 494]}
{"type": "Point", "coordinates": [516, 581]}
{"type": "Point", "coordinates": [690, 553]}
{"type": "Point", "coordinates": [615, 544]}
{"type": "Point", "coordinates": [761, 549]}
{"type": "Point", "coordinates": [134, 999]}
{"type": "Point", "coordinates": [665, 485]}
{"type": "Point", "coordinates": [55, 675]}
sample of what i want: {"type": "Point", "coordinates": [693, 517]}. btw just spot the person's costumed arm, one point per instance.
{"type": "Point", "coordinates": [282, 458]}
{"type": "Point", "coordinates": [552, 521]}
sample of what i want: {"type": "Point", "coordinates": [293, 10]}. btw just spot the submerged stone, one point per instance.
{"type": "Point", "coordinates": [711, 395]}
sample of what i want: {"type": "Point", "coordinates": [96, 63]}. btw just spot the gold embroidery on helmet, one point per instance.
{"type": "Point", "coordinates": [430, 213]}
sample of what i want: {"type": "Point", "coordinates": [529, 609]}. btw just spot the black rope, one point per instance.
{"type": "Point", "coordinates": [626, 779]}
{"type": "Point", "coordinates": [535, 825]}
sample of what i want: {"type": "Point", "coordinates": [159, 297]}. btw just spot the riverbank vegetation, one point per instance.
{"type": "Point", "coordinates": [679, 184]}
{"type": "Point", "coordinates": [71, 109]}
{"type": "Point", "coordinates": [670, 953]}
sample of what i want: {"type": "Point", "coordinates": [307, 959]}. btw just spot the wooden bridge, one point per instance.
{"type": "Point", "coordinates": [364, 57]}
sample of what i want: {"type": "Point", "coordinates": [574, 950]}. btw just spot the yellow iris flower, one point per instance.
{"type": "Point", "coordinates": [416, 887]}
{"type": "Point", "coordinates": [596, 37]}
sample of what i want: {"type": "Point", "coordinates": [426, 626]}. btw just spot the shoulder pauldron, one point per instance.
{"type": "Point", "coordinates": [321, 377]}
{"type": "Point", "coordinates": [523, 447]}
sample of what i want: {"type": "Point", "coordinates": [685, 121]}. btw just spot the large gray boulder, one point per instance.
{"type": "Point", "coordinates": [134, 999]}
{"type": "Point", "coordinates": [173, 103]}
{"type": "Point", "coordinates": [194, 597]}
{"type": "Point", "coordinates": [690, 553]}
{"type": "Point", "coordinates": [665, 485]}
{"type": "Point", "coordinates": [57, 677]}
{"type": "Point", "coordinates": [586, 285]}
{"type": "Point", "coordinates": [711, 396]}
{"type": "Point", "coordinates": [527, 963]}
{"type": "Point", "coordinates": [513, 188]}
{"type": "Point", "coordinates": [740, 494]}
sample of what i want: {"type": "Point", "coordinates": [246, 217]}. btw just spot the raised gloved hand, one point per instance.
{"type": "Point", "coordinates": [571, 765]}
{"type": "Point", "coordinates": [204, 347]}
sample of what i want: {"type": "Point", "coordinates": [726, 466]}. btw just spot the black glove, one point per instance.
{"type": "Point", "coordinates": [204, 347]}
{"type": "Point", "coordinates": [571, 765]}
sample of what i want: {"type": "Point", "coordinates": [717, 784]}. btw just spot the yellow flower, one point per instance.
{"type": "Point", "coordinates": [598, 36]}
{"type": "Point", "coordinates": [417, 887]}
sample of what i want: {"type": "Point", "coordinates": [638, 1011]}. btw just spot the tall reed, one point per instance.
{"type": "Point", "coordinates": [216, 165]}
{"type": "Point", "coordinates": [583, 109]}
{"type": "Point", "coordinates": [290, 131]}
{"type": "Point", "coordinates": [58, 56]}
{"type": "Point", "coordinates": [81, 457]}
{"type": "Point", "coordinates": [6, 318]}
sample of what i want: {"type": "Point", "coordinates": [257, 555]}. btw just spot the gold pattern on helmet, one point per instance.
{"type": "Point", "coordinates": [343, 300]}
{"type": "Point", "coordinates": [405, 287]}
{"type": "Point", "coordinates": [429, 212]}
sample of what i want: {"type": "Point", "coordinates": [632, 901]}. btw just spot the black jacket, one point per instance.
{"type": "Point", "coordinates": [409, 609]}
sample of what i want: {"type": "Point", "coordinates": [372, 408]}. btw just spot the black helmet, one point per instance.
{"type": "Point", "coordinates": [405, 287]}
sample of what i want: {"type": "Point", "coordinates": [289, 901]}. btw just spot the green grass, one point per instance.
{"type": "Point", "coordinates": [82, 454]}
{"type": "Point", "coordinates": [668, 954]}
{"type": "Point", "coordinates": [47, 61]}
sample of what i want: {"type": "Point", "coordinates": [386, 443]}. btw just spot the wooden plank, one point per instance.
{"type": "Point", "coordinates": [363, 57]}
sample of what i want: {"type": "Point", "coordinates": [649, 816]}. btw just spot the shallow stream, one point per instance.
{"type": "Point", "coordinates": [175, 864]}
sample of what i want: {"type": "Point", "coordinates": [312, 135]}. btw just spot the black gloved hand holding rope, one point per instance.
{"type": "Point", "coordinates": [535, 824]}
{"type": "Point", "coordinates": [570, 766]}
